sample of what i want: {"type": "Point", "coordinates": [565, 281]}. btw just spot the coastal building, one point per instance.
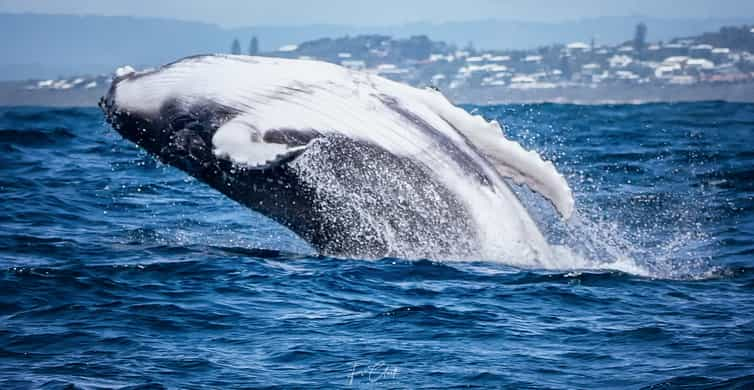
{"type": "Point", "coordinates": [620, 61]}
{"type": "Point", "coordinates": [287, 48]}
{"type": "Point", "coordinates": [419, 61]}
{"type": "Point", "coordinates": [575, 47]}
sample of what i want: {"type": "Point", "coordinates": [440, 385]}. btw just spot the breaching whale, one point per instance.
{"type": "Point", "coordinates": [355, 164]}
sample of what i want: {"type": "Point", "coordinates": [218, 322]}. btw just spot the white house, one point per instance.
{"type": "Point", "coordinates": [578, 46]}
{"type": "Point", "coordinates": [620, 61]}
{"type": "Point", "coordinates": [699, 64]}
{"type": "Point", "coordinates": [667, 71]}
{"type": "Point", "coordinates": [287, 48]}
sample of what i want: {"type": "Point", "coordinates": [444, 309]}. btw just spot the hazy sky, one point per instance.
{"type": "Point", "coordinates": [382, 12]}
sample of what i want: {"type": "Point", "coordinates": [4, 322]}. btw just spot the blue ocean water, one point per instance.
{"type": "Point", "coordinates": [120, 272]}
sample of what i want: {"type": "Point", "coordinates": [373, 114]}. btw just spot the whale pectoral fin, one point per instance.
{"type": "Point", "coordinates": [511, 160]}
{"type": "Point", "coordinates": [244, 144]}
{"type": "Point", "coordinates": [527, 168]}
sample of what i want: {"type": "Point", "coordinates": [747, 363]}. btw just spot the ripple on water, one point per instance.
{"type": "Point", "coordinates": [118, 272]}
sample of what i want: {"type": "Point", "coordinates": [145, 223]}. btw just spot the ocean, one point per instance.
{"type": "Point", "coordinates": [117, 271]}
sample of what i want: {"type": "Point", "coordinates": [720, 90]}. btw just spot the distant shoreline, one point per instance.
{"type": "Point", "coordinates": [609, 94]}
{"type": "Point", "coordinates": [13, 94]}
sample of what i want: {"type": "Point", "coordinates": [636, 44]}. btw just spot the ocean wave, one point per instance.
{"type": "Point", "coordinates": [117, 271]}
{"type": "Point", "coordinates": [36, 137]}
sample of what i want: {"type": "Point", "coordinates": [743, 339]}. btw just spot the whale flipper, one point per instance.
{"type": "Point", "coordinates": [511, 160]}
{"type": "Point", "coordinates": [524, 167]}
{"type": "Point", "coordinates": [241, 142]}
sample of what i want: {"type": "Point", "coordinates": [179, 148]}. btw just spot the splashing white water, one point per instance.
{"type": "Point", "coordinates": [642, 244]}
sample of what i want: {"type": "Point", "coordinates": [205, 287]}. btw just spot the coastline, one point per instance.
{"type": "Point", "coordinates": [16, 94]}
{"type": "Point", "coordinates": [609, 94]}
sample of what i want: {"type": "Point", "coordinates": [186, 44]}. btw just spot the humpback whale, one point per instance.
{"type": "Point", "coordinates": [353, 163]}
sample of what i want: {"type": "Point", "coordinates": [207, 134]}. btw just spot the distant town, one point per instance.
{"type": "Point", "coordinates": [712, 66]}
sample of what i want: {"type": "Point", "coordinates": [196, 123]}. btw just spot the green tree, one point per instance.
{"type": "Point", "coordinates": [254, 46]}
{"type": "Point", "coordinates": [235, 48]}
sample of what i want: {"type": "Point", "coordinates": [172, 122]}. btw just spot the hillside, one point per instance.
{"type": "Point", "coordinates": [54, 46]}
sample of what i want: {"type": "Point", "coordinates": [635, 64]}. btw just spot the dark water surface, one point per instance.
{"type": "Point", "coordinates": [117, 271]}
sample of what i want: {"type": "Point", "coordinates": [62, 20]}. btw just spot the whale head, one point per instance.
{"type": "Point", "coordinates": [181, 133]}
